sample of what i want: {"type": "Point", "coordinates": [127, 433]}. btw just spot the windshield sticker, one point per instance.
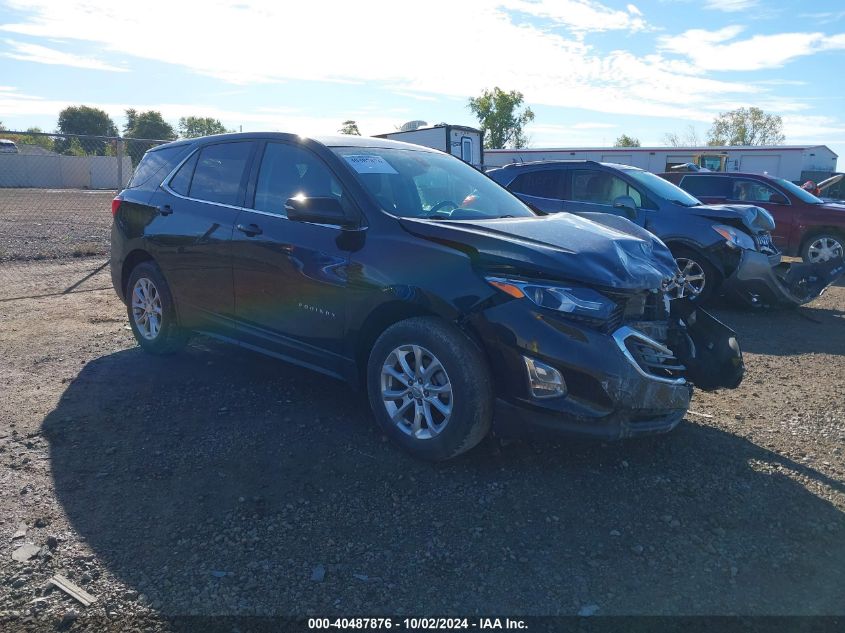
{"type": "Point", "coordinates": [369, 164]}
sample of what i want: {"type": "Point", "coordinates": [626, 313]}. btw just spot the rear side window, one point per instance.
{"type": "Point", "coordinates": [160, 162]}
{"type": "Point", "coordinates": [706, 186]}
{"type": "Point", "coordinates": [220, 171]}
{"type": "Point", "coordinates": [546, 183]}
{"type": "Point", "coordinates": [181, 181]}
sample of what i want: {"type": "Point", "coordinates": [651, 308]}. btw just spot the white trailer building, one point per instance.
{"type": "Point", "coordinates": [467, 143]}
{"type": "Point", "coordinates": [792, 162]}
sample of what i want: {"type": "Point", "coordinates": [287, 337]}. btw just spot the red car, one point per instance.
{"type": "Point", "coordinates": [804, 224]}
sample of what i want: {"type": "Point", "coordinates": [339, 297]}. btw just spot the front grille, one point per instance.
{"type": "Point", "coordinates": [643, 306]}
{"type": "Point", "coordinates": [651, 358]}
{"type": "Point", "coordinates": [654, 360]}
{"type": "Point", "coordinates": [616, 318]}
{"type": "Point", "coordinates": [765, 244]}
{"type": "Point", "coordinates": [655, 307]}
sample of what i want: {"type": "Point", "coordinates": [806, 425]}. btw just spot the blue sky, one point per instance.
{"type": "Point", "coordinates": [590, 70]}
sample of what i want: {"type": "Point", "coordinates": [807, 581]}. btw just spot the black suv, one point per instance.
{"type": "Point", "coordinates": [408, 272]}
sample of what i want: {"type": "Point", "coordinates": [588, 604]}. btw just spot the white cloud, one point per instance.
{"type": "Point", "coordinates": [731, 6]}
{"type": "Point", "coordinates": [581, 15]}
{"type": "Point", "coordinates": [720, 50]}
{"type": "Point", "coordinates": [391, 45]}
{"type": "Point", "coordinates": [823, 17]}
{"type": "Point", "coordinates": [813, 129]}
{"type": "Point", "coordinates": [23, 51]}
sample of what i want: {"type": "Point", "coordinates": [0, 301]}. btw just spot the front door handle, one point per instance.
{"type": "Point", "coordinates": [165, 209]}
{"type": "Point", "coordinates": [249, 229]}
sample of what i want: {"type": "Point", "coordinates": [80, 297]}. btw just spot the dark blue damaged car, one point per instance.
{"type": "Point", "coordinates": [415, 277]}
{"type": "Point", "coordinates": [719, 248]}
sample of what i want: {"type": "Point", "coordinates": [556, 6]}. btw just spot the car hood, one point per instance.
{"type": "Point", "coordinates": [605, 251]}
{"type": "Point", "coordinates": [754, 219]}
{"type": "Point", "coordinates": [833, 206]}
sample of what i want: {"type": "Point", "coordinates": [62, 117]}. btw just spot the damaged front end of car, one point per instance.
{"type": "Point", "coordinates": [759, 283]}
{"type": "Point", "coordinates": [580, 333]}
{"type": "Point", "coordinates": [630, 372]}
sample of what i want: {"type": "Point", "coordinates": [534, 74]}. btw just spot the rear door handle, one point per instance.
{"type": "Point", "coordinates": [249, 229]}
{"type": "Point", "coordinates": [165, 209]}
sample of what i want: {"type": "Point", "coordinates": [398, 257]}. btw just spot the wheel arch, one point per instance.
{"type": "Point", "coordinates": [134, 258]}
{"type": "Point", "coordinates": [390, 313]}
{"type": "Point", "coordinates": [376, 322]}
{"type": "Point", "coordinates": [817, 231]}
{"type": "Point", "coordinates": [682, 244]}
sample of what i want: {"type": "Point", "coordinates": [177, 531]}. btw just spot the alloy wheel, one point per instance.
{"type": "Point", "coordinates": [416, 391]}
{"type": "Point", "coordinates": [823, 249]}
{"type": "Point", "coordinates": [692, 279]}
{"type": "Point", "coordinates": [146, 308]}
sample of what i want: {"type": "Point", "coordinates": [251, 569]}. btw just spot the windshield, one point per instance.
{"type": "Point", "coordinates": [662, 189]}
{"type": "Point", "coordinates": [802, 194]}
{"type": "Point", "coordinates": [419, 184]}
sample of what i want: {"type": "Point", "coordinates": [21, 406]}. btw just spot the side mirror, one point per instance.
{"type": "Point", "coordinates": [325, 210]}
{"type": "Point", "coordinates": [627, 205]}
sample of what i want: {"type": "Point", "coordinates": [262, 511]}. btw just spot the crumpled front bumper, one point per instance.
{"type": "Point", "coordinates": [757, 283]}
{"type": "Point", "coordinates": [611, 394]}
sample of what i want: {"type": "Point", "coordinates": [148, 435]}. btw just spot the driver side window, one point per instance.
{"type": "Point", "coordinates": [287, 171]}
{"type": "Point", "coordinates": [754, 191]}
{"type": "Point", "coordinates": [599, 187]}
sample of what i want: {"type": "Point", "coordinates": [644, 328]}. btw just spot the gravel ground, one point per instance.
{"type": "Point", "coordinates": [54, 223]}
{"type": "Point", "coordinates": [222, 482]}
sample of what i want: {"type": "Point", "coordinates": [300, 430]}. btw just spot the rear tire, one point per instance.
{"type": "Point", "coordinates": [823, 246]}
{"type": "Point", "coordinates": [694, 265]}
{"type": "Point", "coordinates": [448, 406]}
{"type": "Point", "coordinates": [152, 313]}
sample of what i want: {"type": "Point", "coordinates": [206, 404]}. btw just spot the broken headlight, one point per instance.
{"type": "Point", "coordinates": [567, 299]}
{"type": "Point", "coordinates": [735, 237]}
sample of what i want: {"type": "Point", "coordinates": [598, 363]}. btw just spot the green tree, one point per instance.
{"type": "Point", "coordinates": [72, 147]}
{"type": "Point", "coordinates": [627, 141]}
{"type": "Point", "coordinates": [746, 126]}
{"type": "Point", "coordinates": [149, 124]}
{"type": "Point", "coordinates": [350, 127]}
{"type": "Point", "coordinates": [84, 119]}
{"type": "Point", "coordinates": [34, 138]}
{"type": "Point", "coordinates": [131, 119]}
{"type": "Point", "coordinates": [194, 126]}
{"type": "Point", "coordinates": [501, 118]}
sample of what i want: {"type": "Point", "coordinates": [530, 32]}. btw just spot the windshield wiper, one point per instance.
{"type": "Point", "coordinates": [683, 204]}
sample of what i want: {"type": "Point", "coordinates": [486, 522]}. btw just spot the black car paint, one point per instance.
{"type": "Point", "coordinates": [319, 295]}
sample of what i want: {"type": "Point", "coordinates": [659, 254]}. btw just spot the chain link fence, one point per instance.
{"type": "Point", "coordinates": [55, 203]}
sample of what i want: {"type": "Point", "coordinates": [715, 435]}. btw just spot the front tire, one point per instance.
{"type": "Point", "coordinates": [152, 314]}
{"type": "Point", "coordinates": [429, 388]}
{"type": "Point", "coordinates": [701, 277]}
{"type": "Point", "coordinates": [823, 247]}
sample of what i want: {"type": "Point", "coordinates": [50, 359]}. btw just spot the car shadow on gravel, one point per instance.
{"type": "Point", "coordinates": [218, 481]}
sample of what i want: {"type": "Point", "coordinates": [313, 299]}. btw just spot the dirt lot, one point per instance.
{"type": "Point", "coordinates": [51, 223]}
{"type": "Point", "coordinates": [222, 482]}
